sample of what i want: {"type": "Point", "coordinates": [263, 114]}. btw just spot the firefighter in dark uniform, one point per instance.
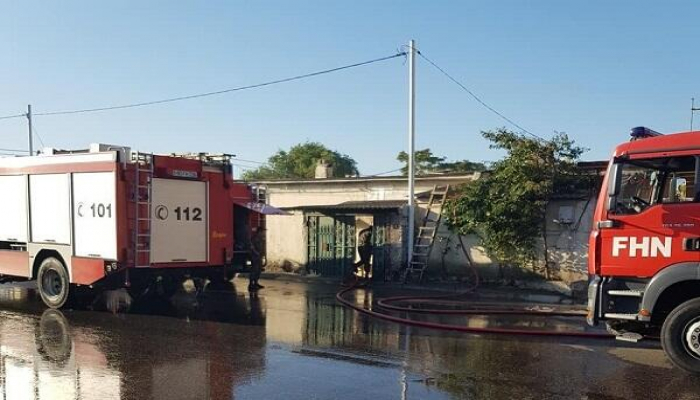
{"type": "Point", "coordinates": [364, 249]}
{"type": "Point", "coordinates": [256, 259]}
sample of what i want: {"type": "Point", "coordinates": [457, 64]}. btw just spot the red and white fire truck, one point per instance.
{"type": "Point", "coordinates": [644, 255]}
{"type": "Point", "coordinates": [109, 217]}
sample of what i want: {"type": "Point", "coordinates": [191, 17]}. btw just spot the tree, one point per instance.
{"type": "Point", "coordinates": [300, 162]}
{"type": "Point", "coordinates": [507, 207]}
{"type": "Point", "coordinates": [427, 163]}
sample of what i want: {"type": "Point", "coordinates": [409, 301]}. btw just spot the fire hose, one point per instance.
{"type": "Point", "coordinates": [387, 304]}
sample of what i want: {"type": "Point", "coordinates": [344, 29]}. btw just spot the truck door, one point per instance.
{"type": "Point", "coordinates": [655, 219]}
{"type": "Point", "coordinates": [95, 215]}
{"type": "Point", "coordinates": [179, 221]}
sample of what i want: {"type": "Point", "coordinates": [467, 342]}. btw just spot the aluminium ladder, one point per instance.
{"type": "Point", "coordinates": [142, 198]}
{"type": "Point", "coordinates": [427, 232]}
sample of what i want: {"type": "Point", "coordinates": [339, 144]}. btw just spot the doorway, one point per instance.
{"type": "Point", "coordinates": [330, 244]}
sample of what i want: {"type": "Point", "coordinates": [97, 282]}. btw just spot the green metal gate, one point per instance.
{"type": "Point", "coordinates": [380, 254]}
{"type": "Point", "coordinates": [331, 244]}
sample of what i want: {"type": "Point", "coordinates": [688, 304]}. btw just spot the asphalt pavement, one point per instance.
{"type": "Point", "coordinates": [293, 341]}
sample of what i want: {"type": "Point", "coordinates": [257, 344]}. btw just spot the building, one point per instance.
{"type": "Point", "coordinates": [325, 215]}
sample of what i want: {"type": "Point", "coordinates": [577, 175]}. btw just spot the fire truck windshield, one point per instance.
{"type": "Point", "coordinates": [644, 183]}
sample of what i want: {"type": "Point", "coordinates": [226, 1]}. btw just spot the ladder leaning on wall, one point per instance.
{"type": "Point", "coordinates": [427, 232]}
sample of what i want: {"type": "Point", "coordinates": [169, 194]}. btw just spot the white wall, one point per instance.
{"type": "Point", "coordinates": [568, 243]}
{"type": "Point", "coordinates": [286, 241]}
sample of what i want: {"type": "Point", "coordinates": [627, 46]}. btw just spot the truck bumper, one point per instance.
{"type": "Point", "coordinates": [594, 294]}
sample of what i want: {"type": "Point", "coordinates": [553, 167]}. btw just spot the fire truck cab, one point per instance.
{"type": "Point", "coordinates": [644, 249]}
{"type": "Point", "coordinates": [109, 217]}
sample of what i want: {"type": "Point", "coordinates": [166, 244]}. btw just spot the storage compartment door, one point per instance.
{"type": "Point", "coordinates": [50, 207]}
{"type": "Point", "coordinates": [13, 206]}
{"type": "Point", "coordinates": [94, 215]}
{"type": "Point", "coordinates": [179, 221]}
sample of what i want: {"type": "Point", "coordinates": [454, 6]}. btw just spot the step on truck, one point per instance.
{"type": "Point", "coordinates": [644, 249]}
{"type": "Point", "coordinates": [108, 217]}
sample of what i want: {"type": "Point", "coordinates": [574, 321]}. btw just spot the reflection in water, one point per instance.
{"type": "Point", "coordinates": [43, 359]}
{"type": "Point", "coordinates": [84, 355]}
{"type": "Point", "coordinates": [493, 367]}
{"type": "Point", "coordinates": [295, 341]}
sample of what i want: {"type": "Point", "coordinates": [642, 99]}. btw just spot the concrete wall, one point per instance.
{"type": "Point", "coordinates": [568, 240]}
{"type": "Point", "coordinates": [286, 235]}
{"type": "Point", "coordinates": [567, 244]}
{"type": "Point", "coordinates": [286, 242]}
{"type": "Point", "coordinates": [334, 192]}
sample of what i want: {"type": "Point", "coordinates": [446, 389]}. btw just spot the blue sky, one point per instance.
{"type": "Point", "coordinates": [592, 69]}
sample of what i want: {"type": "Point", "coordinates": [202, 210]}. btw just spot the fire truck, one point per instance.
{"type": "Point", "coordinates": [644, 249]}
{"type": "Point", "coordinates": [109, 217]}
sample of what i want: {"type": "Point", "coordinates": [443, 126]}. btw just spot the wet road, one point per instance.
{"type": "Point", "coordinates": [294, 342]}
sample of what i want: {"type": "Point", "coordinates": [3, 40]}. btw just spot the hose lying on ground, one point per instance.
{"type": "Point", "coordinates": [386, 304]}
{"type": "Point", "coordinates": [461, 328]}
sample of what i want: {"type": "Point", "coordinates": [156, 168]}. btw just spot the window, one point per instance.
{"type": "Point", "coordinates": [644, 183]}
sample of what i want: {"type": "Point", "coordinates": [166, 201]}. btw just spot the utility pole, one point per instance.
{"type": "Point", "coordinates": [411, 146]}
{"type": "Point", "coordinates": [692, 111]}
{"type": "Point", "coordinates": [31, 132]}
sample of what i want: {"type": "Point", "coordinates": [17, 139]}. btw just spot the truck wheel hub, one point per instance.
{"type": "Point", "coordinates": [692, 337]}
{"type": "Point", "coordinates": [53, 286]}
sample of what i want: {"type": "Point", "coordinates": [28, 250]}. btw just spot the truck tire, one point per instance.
{"type": "Point", "coordinates": [680, 336]}
{"type": "Point", "coordinates": [53, 282]}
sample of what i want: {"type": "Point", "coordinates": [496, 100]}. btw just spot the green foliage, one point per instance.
{"type": "Point", "coordinates": [427, 163]}
{"type": "Point", "coordinates": [300, 163]}
{"type": "Point", "coordinates": [506, 208]}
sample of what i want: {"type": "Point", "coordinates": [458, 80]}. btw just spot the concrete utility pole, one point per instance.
{"type": "Point", "coordinates": [31, 133]}
{"type": "Point", "coordinates": [411, 145]}
{"type": "Point", "coordinates": [692, 111]}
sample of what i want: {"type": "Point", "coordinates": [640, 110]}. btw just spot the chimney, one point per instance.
{"type": "Point", "coordinates": [323, 170]}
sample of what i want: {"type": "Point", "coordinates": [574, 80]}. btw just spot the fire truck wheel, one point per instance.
{"type": "Point", "coordinates": [680, 336]}
{"type": "Point", "coordinates": [53, 283]}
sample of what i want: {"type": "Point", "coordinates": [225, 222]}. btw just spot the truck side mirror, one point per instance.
{"type": "Point", "coordinates": [614, 183]}
{"type": "Point", "coordinates": [678, 189]}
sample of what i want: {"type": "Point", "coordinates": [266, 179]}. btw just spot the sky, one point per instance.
{"type": "Point", "coordinates": [592, 69]}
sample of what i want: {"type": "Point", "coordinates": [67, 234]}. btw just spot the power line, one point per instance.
{"type": "Point", "coordinates": [249, 161]}
{"type": "Point", "coordinates": [194, 96]}
{"type": "Point", "coordinates": [36, 132]}
{"type": "Point", "coordinates": [13, 116]}
{"type": "Point", "coordinates": [488, 107]}
{"type": "Point", "coordinates": [15, 150]}
{"type": "Point", "coordinates": [383, 173]}
{"type": "Point", "coordinates": [241, 166]}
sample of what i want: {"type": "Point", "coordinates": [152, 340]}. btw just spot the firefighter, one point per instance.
{"type": "Point", "coordinates": [256, 255]}
{"type": "Point", "coordinates": [364, 249]}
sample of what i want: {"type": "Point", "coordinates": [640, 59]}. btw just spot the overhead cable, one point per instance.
{"type": "Point", "coordinates": [473, 95]}
{"type": "Point", "coordinates": [235, 89]}
{"type": "Point", "coordinates": [249, 161]}
{"type": "Point", "coordinates": [15, 150]}
{"type": "Point", "coordinates": [36, 133]}
{"type": "Point", "coordinates": [13, 116]}
{"type": "Point", "coordinates": [383, 173]}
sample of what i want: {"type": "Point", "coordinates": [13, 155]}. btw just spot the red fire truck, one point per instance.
{"type": "Point", "coordinates": [109, 217]}
{"type": "Point", "coordinates": [644, 256]}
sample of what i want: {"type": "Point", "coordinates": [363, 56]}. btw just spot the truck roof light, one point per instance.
{"type": "Point", "coordinates": [642, 132]}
